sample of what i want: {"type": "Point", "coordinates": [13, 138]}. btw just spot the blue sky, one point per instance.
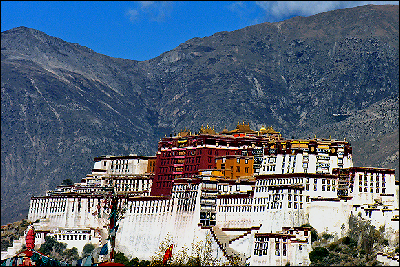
{"type": "Point", "coordinates": [142, 30]}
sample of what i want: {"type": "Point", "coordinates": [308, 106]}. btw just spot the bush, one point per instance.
{"type": "Point", "coordinates": [87, 249]}
{"type": "Point", "coordinates": [318, 254]}
{"type": "Point", "coordinates": [71, 254]}
{"type": "Point", "coordinates": [327, 236]}
{"type": "Point", "coordinates": [349, 242]}
{"type": "Point", "coordinates": [51, 245]}
{"type": "Point", "coordinates": [121, 258]}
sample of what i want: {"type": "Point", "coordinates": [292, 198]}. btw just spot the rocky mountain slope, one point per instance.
{"type": "Point", "coordinates": [63, 104]}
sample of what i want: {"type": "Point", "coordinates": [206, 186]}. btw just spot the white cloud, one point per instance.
{"type": "Point", "coordinates": [145, 4]}
{"type": "Point", "coordinates": [152, 10]}
{"type": "Point", "coordinates": [245, 11]}
{"type": "Point", "coordinates": [276, 10]}
{"type": "Point", "coordinates": [133, 14]}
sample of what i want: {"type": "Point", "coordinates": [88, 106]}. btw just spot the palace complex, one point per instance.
{"type": "Point", "coordinates": [252, 192]}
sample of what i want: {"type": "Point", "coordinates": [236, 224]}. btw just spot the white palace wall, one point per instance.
{"type": "Point", "coordinates": [246, 211]}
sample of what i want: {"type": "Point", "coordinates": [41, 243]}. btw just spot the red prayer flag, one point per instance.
{"type": "Point", "coordinates": [30, 238]}
{"type": "Point", "coordinates": [168, 254]}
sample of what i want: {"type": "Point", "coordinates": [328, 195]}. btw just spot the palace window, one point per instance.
{"type": "Point", "coordinates": [277, 251]}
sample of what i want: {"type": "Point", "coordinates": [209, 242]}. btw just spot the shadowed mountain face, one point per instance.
{"type": "Point", "coordinates": [63, 104]}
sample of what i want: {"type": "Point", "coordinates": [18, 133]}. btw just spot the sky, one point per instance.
{"type": "Point", "coordinates": [141, 30]}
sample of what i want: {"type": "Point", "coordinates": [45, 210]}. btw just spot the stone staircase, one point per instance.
{"type": "Point", "coordinates": [223, 241]}
{"type": "Point", "coordinates": [239, 236]}
{"type": "Point", "coordinates": [12, 251]}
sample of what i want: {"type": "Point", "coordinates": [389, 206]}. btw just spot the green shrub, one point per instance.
{"type": "Point", "coordinates": [87, 249]}
{"type": "Point", "coordinates": [327, 236]}
{"type": "Point", "coordinates": [121, 258]}
{"type": "Point", "coordinates": [71, 254]}
{"type": "Point", "coordinates": [318, 254]}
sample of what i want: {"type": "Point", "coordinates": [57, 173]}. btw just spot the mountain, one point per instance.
{"type": "Point", "coordinates": [62, 104]}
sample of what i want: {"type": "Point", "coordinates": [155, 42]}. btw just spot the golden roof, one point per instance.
{"type": "Point", "coordinates": [268, 130]}
{"type": "Point", "coordinates": [242, 128]}
{"type": "Point", "coordinates": [184, 133]}
{"type": "Point", "coordinates": [224, 131]}
{"type": "Point", "coordinates": [207, 130]}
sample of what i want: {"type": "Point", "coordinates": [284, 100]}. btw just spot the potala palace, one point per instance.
{"type": "Point", "coordinates": [251, 191]}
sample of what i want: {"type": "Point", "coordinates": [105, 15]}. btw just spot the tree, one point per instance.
{"type": "Point", "coordinates": [71, 254]}
{"type": "Point", "coordinates": [357, 248]}
{"type": "Point", "coordinates": [52, 246]}
{"type": "Point", "coordinates": [318, 254]}
{"type": "Point", "coordinates": [121, 258]}
{"type": "Point", "coordinates": [157, 259]}
{"type": "Point", "coordinates": [201, 254]}
{"type": "Point", "coordinates": [87, 249]}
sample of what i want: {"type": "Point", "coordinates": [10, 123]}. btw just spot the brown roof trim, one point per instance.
{"type": "Point", "coordinates": [69, 195]}
{"type": "Point", "coordinates": [236, 182]}
{"type": "Point", "coordinates": [274, 235]}
{"type": "Point", "coordinates": [147, 198]}
{"type": "Point", "coordinates": [295, 175]}
{"type": "Point", "coordinates": [241, 228]}
{"type": "Point", "coordinates": [130, 177]}
{"type": "Point", "coordinates": [325, 199]}
{"type": "Point", "coordinates": [371, 169]}
{"type": "Point", "coordinates": [299, 241]}
{"type": "Point", "coordinates": [285, 186]}
{"type": "Point", "coordinates": [187, 181]}
{"type": "Point", "coordinates": [240, 195]}
{"type": "Point", "coordinates": [297, 228]}
{"type": "Point", "coordinates": [123, 157]}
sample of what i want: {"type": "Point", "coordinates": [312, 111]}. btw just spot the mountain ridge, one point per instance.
{"type": "Point", "coordinates": [64, 104]}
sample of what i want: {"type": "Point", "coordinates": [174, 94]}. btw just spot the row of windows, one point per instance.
{"type": "Point", "coordinates": [44, 209]}
{"type": "Point", "coordinates": [236, 201]}
{"type": "Point", "coordinates": [163, 184]}
{"type": "Point", "coordinates": [154, 209]}
{"type": "Point", "coordinates": [371, 177]}
{"type": "Point", "coordinates": [281, 181]}
{"type": "Point", "coordinates": [259, 208]}
{"type": "Point", "coordinates": [234, 208]}
{"type": "Point", "coordinates": [72, 237]}
{"type": "Point", "coordinates": [261, 248]}
{"type": "Point", "coordinates": [371, 184]}
{"type": "Point", "coordinates": [371, 190]}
